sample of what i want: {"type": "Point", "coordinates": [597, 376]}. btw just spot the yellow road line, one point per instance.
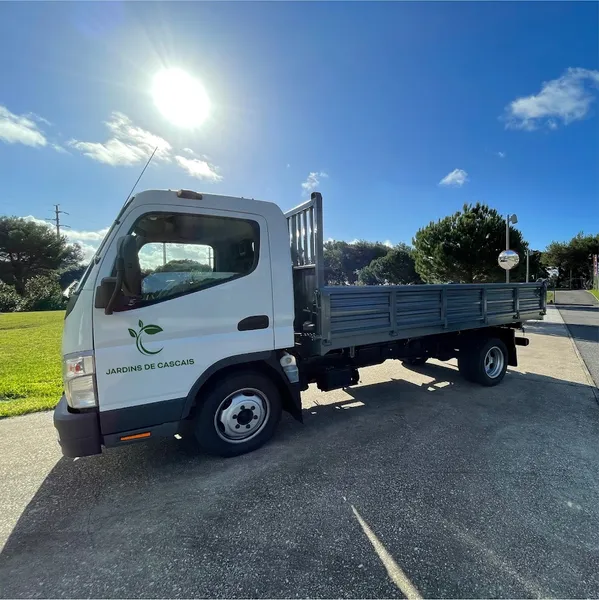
{"type": "Point", "coordinates": [396, 574]}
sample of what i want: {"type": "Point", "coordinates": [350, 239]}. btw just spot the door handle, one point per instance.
{"type": "Point", "coordinates": [254, 322]}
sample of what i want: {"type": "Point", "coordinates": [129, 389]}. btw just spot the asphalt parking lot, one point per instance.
{"type": "Point", "coordinates": [413, 477]}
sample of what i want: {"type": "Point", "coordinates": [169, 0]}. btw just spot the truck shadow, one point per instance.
{"type": "Point", "coordinates": [82, 506]}
{"type": "Point", "coordinates": [410, 401]}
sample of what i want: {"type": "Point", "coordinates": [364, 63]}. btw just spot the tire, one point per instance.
{"type": "Point", "coordinates": [465, 366]}
{"type": "Point", "coordinates": [485, 363]}
{"type": "Point", "coordinates": [238, 414]}
{"type": "Point", "coordinates": [415, 362]}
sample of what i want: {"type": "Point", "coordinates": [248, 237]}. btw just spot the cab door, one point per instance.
{"type": "Point", "coordinates": [205, 295]}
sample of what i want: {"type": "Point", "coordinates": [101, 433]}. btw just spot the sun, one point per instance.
{"type": "Point", "coordinates": [180, 98]}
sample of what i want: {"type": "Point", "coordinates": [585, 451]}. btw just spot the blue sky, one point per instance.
{"type": "Point", "coordinates": [398, 112]}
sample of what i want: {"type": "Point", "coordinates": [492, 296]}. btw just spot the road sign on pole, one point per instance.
{"type": "Point", "coordinates": [508, 259]}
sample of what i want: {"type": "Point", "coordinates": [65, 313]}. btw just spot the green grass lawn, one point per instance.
{"type": "Point", "coordinates": [30, 362]}
{"type": "Point", "coordinates": [595, 293]}
{"type": "Point", "coordinates": [550, 298]}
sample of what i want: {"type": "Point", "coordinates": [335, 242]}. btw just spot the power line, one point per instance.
{"type": "Point", "coordinates": [56, 219]}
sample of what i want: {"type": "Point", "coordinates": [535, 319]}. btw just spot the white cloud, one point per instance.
{"type": "Point", "coordinates": [198, 168]}
{"type": "Point", "coordinates": [457, 178]}
{"type": "Point", "coordinates": [93, 236]}
{"type": "Point", "coordinates": [88, 250]}
{"type": "Point", "coordinates": [59, 149]}
{"type": "Point", "coordinates": [87, 240]}
{"type": "Point", "coordinates": [128, 145]}
{"type": "Point", "coordinates": [113, 152]}
{"type": "Point", "coordinates": [35, 117]}
{"type": "Point", "coordinates": [501, 154]}
{"type": "Point", "coordinates": [24, 129]}
{"type": "Point", "coordinates": [563, 100]}
{"type": "Point", "coordinates": [20, 129]}
{"type": "Point", "coordinates": [313, 181]}
{"type": "Point", "coordinates": [123, 129]}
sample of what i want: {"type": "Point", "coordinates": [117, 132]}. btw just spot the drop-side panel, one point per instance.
{"type": "Point", "coordinates": [357, 315]}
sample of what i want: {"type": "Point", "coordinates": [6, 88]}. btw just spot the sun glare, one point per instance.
{"type": "Point", "coordinates": [180, 98]}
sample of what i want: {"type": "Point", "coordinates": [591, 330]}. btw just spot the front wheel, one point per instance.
{"type": "Point", "coordinates": [238, 414]}
{"type": "Point", "coordinates": [484, 363]}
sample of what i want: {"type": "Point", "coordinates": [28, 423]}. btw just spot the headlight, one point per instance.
{"type": "Point", "coordinates": [79, 381]}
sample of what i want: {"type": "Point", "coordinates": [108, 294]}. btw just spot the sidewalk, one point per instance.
{"type": "Point", "coordinates": [554, 352]}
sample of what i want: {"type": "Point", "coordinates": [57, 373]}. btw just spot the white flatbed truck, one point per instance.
{"type": "Point", "coordinates": [208, 315]}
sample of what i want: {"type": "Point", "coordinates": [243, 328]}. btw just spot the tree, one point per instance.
{"type": "Point", "coordinates": [574, 256]}
{"type": "Point", "coordinates": [43, 292]}
{"type": "Point", "coordinates": [9, 299]}
{"type": "Point", "coordinates": [396, 267]}
{"type": "Point", "coordinates": [183, 265]}
{"type": "Point", "coordinates": [28, 249]}
{"type": "Point", "coordinates": [343, 260]}
{"type": "Point", "coordinates": [464, 247]}
{"type": "Point", "coordinates": [536, 266]}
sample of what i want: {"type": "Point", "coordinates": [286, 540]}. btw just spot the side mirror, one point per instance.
{"type": "Point", "coordinates": [104, 293]}
{"type": "Point", "coordinates": [128, 276]}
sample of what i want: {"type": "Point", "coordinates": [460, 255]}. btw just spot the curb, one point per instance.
{"type": "Point", "coordinates": [594, 298]}
{"type": "Point", "coordinates": [585, 369]}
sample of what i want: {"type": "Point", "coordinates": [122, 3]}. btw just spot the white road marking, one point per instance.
{"type": "Point", "coordinates": [396, 574]}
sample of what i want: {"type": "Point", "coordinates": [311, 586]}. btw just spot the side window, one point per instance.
{"type": "Point", "coordinates": [180, 254]}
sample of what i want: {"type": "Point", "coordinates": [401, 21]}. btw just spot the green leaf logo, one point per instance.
{"type": "Point", "coordinates": [150, 330]}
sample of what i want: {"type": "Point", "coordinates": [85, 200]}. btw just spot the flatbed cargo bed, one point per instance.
{"type": "Point", "coordinates": [334, 317]}
{"type": "Point", "coordinates": [359, 315]}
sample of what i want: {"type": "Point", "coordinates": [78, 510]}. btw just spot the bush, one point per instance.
{"type": "Point", "coordinates": [42, 293]}
{"type": "Point", "coordinates": [10, 301]}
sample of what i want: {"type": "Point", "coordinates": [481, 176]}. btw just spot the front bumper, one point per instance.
{"type": "Point", "coordinates": [78, 433]}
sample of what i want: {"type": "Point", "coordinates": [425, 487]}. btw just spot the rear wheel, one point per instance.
{"type": "Point", "coordinates": [238, 414]}
{"type": "Point", "coordinates": [484, 363]}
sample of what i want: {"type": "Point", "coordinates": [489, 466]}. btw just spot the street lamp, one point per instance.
{"type": "Point", "coordinates": [513, 219]}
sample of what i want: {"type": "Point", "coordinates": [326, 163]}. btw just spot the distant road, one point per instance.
{"type": "Point", "coordinates": [580, 311]}
{"type": "Point", "coordinates": [579, 297]}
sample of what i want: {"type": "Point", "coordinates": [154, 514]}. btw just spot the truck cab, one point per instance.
{"type": "Point", "coordinates": [184, 287]}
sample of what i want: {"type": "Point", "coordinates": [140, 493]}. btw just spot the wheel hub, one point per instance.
{"type": "Point", "coordinates": [241, 415]}
{"type": "Point", "coordinates": [494, 361]}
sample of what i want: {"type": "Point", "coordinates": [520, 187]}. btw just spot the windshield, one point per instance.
{"type": "Point", "coordinates": [97, 254]}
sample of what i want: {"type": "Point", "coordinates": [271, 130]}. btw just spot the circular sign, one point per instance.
{"type": "Point", "coordinates": [508, 259]}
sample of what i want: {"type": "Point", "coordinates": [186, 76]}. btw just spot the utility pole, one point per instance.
{"type": "Point", "coordinates": [527, 264]}
{"type": "Point", "coordinates": [56, 219]}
